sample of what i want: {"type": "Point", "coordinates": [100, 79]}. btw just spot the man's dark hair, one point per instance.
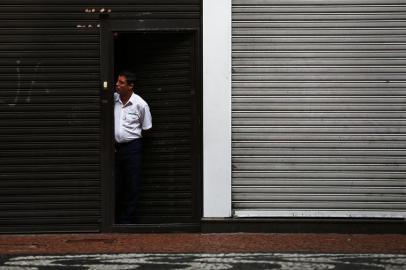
{"type": "Point", "coordinates": [129, 75]}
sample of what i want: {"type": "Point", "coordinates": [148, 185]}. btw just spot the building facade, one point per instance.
{"type": "Point", "coordinates": [265, 112]}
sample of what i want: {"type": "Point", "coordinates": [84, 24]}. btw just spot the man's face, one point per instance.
{"type": "Point", "coordinates": [122, 87]}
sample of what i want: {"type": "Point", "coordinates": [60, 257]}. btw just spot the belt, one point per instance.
{"type": "Point", "coordinates": [124, 144]}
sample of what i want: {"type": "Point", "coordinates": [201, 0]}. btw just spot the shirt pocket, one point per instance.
{"type": "Point", "coordinates": [132, 119]}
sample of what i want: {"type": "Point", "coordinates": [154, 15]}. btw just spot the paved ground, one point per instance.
{"type": "Point", "coordinates": [203, 251]}
{"type": "Point", "coordinates": [207, 261]}
{"type": "Point", "coordinates": [201, 243]}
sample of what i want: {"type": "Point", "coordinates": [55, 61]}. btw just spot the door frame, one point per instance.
{"type": "Point", "coordinates": [107, 27]}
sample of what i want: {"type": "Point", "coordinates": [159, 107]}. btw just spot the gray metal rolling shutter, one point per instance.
{"type": "Point", "coordinates": [319, 108]}
{"type": "Point", "coordinates": [50, 144]}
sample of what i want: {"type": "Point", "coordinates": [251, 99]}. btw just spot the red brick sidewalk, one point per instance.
{"type": "Point", "coordinates": [201, 243]}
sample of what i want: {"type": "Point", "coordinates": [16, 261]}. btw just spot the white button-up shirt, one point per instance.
{"type": "Point", "coordinates": [130, 119]}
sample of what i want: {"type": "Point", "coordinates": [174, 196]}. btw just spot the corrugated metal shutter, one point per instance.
{"type": "Point", "coordinates": [319, 108]}
{"type": "Point", "coordinates": [50, 109]}
{"type": "Point", "coordinates": [50, 124]}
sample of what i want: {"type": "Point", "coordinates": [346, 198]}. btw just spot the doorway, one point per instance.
{"type": "Point", "coordinates": [166, 65]}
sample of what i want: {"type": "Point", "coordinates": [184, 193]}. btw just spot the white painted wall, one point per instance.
{"type": "Point", "coordinates": [216, 108]}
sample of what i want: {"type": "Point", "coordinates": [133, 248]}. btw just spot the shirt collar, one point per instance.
{"type": "Point", "coordinates": [132, 99]}
{"type": "Point", "coordinates": [129, 102]}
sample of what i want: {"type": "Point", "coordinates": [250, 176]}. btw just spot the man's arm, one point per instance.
{"type": "Point", "coordinates": [147, 133]}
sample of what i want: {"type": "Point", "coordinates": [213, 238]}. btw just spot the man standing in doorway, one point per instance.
{"type": "Point", "coordinates": [131, 117]}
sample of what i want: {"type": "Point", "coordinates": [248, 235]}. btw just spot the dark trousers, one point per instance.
{"type": "Point", "coordinates": [127, 179]}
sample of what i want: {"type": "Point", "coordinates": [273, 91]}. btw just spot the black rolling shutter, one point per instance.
{"type": "Point", "coordinates": [50, 126]}
{"type": "Point", "coordinates": [50, 119]}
